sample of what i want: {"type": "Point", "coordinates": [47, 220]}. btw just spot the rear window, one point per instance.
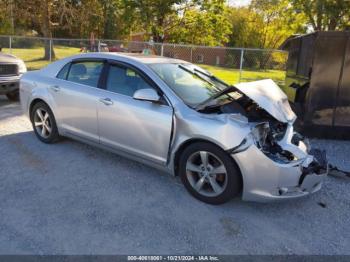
{"type": "Point", "coordinates": [85, 73]}
{"type": "Point", "coordinates": [64, 72]}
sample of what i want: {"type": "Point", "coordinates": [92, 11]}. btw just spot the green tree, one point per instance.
{"type": "Point", "coordinates": [117, 18]}
{"type": "Point", "coordinates": [45, 15]}
{"type": "Point", "coordinates": [153, 15]}
{"type": "Point", "coordinates": [204, 23]}
{"type": "Point", "coordinates": [275, 21]}
{"type": "Point", "coordinates": [245, 24]}
{"type": "Point", "coordinates": [324, 15]}
{"type": "Point", "coordinates": [264, 23]}
{"type": "Point", "coordinates": [6, 11]}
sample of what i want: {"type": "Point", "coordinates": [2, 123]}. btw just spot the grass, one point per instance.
{"type": "Point", "coordinates": [232, 76]}
{"type": "Point", "coordinates": [33, 57]}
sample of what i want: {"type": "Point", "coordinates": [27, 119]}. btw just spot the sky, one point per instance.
{"type": "Point", "coordinates": [239, 2]}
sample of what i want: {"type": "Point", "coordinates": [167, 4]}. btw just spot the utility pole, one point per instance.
{"type": "Point", "coordinates": [12, 18]}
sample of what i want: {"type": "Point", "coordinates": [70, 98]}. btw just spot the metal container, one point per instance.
{"type": "Point", "coordinates": [318, 80]}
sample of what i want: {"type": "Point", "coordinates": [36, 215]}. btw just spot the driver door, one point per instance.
{"type": "Point", "coordinates": [141, 128]}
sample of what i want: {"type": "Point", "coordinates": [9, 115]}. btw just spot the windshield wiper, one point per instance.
{"type": "Point", "coordinates": [197, 72]}
{"type": "Point", "coordinates": [205, 103]}
{"type": "Point", "coordinates": [211, 77]}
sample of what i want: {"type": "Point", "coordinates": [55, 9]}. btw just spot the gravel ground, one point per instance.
{"type": "Point", "coordinates": [70, 198]}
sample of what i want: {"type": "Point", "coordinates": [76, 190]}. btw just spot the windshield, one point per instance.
{"type": "Point", "coordinates": [191, 83]}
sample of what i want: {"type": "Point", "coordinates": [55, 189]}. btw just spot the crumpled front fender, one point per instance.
{"type": "Point", "coordinates": [225, 130]}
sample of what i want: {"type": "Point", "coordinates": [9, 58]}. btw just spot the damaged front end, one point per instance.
{"type": "Point", "coordinates": [276, 162]}
{"type": "Point", "coordinates": [279, 166]}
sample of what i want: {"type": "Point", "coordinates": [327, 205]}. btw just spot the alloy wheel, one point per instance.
{"type": "Point", "coordinates": [206, 173]}
{"type": "Point", "coordinates": [42, 123]}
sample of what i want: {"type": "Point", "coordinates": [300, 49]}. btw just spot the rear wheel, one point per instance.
{"type": "Point", "coordinates": [44, 123]}
{"type": "Point", "coordinates": [13, 96]}
{"type": "Point", "coordinates": [209, 173]}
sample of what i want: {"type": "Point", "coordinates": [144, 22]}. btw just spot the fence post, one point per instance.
{"type": "Point", "coordinates": [241, 65]}
{"type": "Point", "coordinates": [191, 54]}
{"type": "Point", "coordinates": [10, 44]}
{"type": "Point", "coordinates": [162, 50]}
{"type": "Point", "coordinates": [50, 53]}
{"type": "Point", "coordinates": [99, 46]}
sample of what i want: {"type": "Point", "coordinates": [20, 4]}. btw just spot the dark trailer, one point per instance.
{"type": "Point", "coordinates": [318, 81]}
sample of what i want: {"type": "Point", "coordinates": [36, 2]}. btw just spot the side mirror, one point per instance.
{"type": "Point", "coordinates": [146, 94]}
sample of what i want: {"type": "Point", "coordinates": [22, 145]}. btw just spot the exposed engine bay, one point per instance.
{"type": "Point", "coordinates": [276, 139]}
{"type": "Point", "coordinates": [267, 132]}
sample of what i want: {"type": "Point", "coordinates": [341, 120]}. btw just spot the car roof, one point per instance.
{"type": "Point", "coordinates": [145, 59]}
{"type": "Point", "coordinates": [133, 58]}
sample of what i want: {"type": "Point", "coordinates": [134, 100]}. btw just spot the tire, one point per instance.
{"type": "Point", "coordinates": [46, 122]}
{"type": "Point", "coordinates": [13, 96]}
{"type": "Point", "coordinates": [200, 179]}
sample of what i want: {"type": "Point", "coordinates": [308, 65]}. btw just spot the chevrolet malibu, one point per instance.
{"type": "Point", "coordinates": [222, 140]}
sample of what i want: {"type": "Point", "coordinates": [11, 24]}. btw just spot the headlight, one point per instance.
{"type": "Point", "coordinates": [259, 134]}
{"type": "Point", "coordinates": [22, 67]}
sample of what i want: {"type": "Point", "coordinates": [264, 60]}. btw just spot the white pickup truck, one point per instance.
{"type": "Point", "coordinates": [11, 70]}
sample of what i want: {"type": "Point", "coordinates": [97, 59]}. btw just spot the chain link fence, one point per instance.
{"type": "Point", "coordinates": [233, 65]}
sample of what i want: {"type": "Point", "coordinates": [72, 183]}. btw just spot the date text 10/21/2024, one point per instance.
{"type": "Point", "coordinates": [173, 258]}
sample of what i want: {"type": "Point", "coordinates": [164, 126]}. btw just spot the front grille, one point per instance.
{"type": "Point", "coordinates": [8, 69]}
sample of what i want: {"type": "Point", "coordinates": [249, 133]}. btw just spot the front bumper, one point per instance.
{"type": "Point", "coordinates": [265, 180]}
{"type": "Point", "coordinates": [9, 84]}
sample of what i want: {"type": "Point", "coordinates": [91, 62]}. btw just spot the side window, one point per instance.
{"type": "Point", "coordinates": [64, 71]}
{"type": "Point", "coordinates": [86, 73]}
{"type": "Point", "coordinates": [124, 81]}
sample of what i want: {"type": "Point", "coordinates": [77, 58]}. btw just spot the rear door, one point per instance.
{"type": "Point", "coordinates": [76, 96]}
{"type": "Point", "coordinates": [138, 127]}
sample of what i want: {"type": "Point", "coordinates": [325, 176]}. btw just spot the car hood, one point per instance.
{"type": "Point", "coordinates": [7, 58]}
{"type": "Point", "coordinates": [269, 97]}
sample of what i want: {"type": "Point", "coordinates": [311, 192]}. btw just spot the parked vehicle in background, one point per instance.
{"type": "Point", "coordinates": [222, 140]}
{"type": "Point", "coordinates": [318, 81]}
{"type": "Point", "coordinates": [11, 70]}
{"type": "Point", "coordinates": [103, 47]}
{"type": "Point", "coordinates": [117, 48]}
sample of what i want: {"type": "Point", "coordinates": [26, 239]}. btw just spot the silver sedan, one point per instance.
{"type": "Point", "coordinates": [222, 140]}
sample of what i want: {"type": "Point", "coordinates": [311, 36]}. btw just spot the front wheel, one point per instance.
{"type": "Point", "coordinates": [44, 123]}
{"type": "Point", "coordinates": [209, 173]}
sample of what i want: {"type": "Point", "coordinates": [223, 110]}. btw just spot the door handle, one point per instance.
{"type": "Point", "coordinates": [55, 88]}
{"type": "Point", "coordinates": [107, 101]}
